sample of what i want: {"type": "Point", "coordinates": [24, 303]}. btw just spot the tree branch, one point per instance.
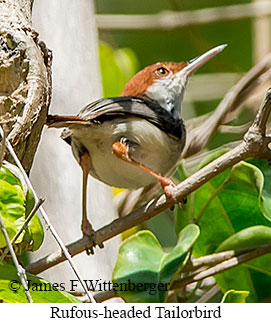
{"type": "Point", "coordinates": [199, 136]}
{"type": "Point", "coordinates": [170, 20]}
{"type": "Point", "coordinates": [255, 144]}
{"type": "Point", "coordinates": [223, 266]}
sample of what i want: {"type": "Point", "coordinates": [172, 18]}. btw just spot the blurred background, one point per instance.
{"type": "Point", "coordinates": [174, 30]}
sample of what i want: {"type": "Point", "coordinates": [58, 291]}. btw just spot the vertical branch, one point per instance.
{"type": "Point", "coordinates": [25, 78]}
{"type": "Point", "coordinates": [3, 146]}
{"type": "Point", "coordinates": [259, 123]}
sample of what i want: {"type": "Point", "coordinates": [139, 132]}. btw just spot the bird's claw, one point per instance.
{"type": "Point", "coordinates": [88, 231]}
{"type": "Point", "coordinates": [169, 189]}
{"type": "Point", "coordinates": [182, 202]}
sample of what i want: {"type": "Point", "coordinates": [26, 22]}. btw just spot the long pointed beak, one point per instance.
{"type": "Point", "coordinates": [197, 62]}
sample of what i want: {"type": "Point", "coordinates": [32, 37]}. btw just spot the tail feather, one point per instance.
{"type": "Point", "coordinates": [57, 121]}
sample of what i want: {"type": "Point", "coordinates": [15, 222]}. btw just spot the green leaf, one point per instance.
{"type": "Point", "coordinates": [16, 202]}
{"type": "Point", "coordinates": [40, 290]}
{"type": "Point", "coordinates": [201, 201]}
{"type": "Point", "coordinates": [170, 261]}
{"type": "Point", "coordinates": [238, 278]}
{"type": "Point", "coordinates": [225, 205]}
{"type": "Point", "coordinates": [265, 201]}
{"type": "Point", "coordinates": [248, 175]}
{"type": "Point", "coordinates": [127, 62]}
{"type": "Point", "coordinates": [147, 269]}
{"type": "Point", "coordinates": [34, 228]}
{"type": "Point", "coordinates": [235, 296]}
{"type": "Point", "coordinates": [12, 210]}
{"type": "Point", "coordinates": [249, 237]}
{"type": "Point", "coordinates": [36, 233]}
{"type": "Point", "coordinates": [8, 176]}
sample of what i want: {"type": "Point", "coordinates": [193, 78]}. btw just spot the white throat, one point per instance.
{"type": "Point", "coordinates": [168, 92]}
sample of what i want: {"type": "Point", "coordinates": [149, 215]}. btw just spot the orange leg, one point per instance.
{"type": "Point", "coordinates": [121, 151]}
{"type": "Point", "coordinates": [86, 227]}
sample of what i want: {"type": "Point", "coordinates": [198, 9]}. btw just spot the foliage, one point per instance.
{"type": "Point", "coordinates": [118, 65]}
{"type": "Point", "coordinates": [233, 212]}
{"type": "Point", "coordinates": [235, 296]}
{"type": "Point", "coordinates": [40, 290]}
{"type": "Point", "coordinates": [143, 263]}
{"type": "Point", "coordinates": [16, 202]}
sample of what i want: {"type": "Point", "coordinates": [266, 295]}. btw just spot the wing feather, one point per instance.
{"type": "Point", "coordinates": [123, 107]}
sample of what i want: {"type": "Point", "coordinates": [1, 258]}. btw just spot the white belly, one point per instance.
{"type": "Point", "coordinates": [154, 149]}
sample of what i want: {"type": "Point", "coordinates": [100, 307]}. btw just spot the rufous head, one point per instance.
{"type": "Point", "coordinates": [165, 82]}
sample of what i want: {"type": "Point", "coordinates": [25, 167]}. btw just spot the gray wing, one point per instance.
{"type": "Point", "coordinates": [107, 109]}
{"type": "Point", "coordinates": [120, 107]}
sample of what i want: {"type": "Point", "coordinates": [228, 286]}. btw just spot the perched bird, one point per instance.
{"type": "Point", "coordinates": [133, 140]}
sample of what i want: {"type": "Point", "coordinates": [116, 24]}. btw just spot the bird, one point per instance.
{"type": "Point", "coordinates": [133, 140]}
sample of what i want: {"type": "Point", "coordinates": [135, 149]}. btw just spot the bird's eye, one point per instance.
{"type": "Point", "coordinates": [161, 72]}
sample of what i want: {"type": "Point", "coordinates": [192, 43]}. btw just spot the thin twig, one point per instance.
{"type": "Point", "coordinates": [209, 294]}
{"type": "Point", "coordinates": [3, 146]}
{"type": "Point", "coordinates": [209, 200]}
{"type": "Point", "coordinates": [27, 220]}
{"type": "Point", "coordinates": [253, 145]}
{"type": "Point", "coordinates": [170, 20]}
{"type": "Point", "coordinates": [234, 129]}
{"type": "Point", "coordinates": [194, 161]}
{"type": "Point", "coordinates": [103, 296]}
{"type": "Point", "coordinates": [221, 267]}
{"type": "Point", "coordinates": [19, 268]}
{"type": "Point", "coordinates": [213, 259]}
{"type": "Point", "coordinates": [259, 123]}
{"type": "Point", "coordinates": [64, 251]}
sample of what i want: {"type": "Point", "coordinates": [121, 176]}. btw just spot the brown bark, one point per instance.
{"type": "Point", "coordinates": [25, 78]}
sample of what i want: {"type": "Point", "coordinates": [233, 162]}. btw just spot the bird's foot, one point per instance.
{"type": "Point", "coordinates": [169, 188]}
{"type": "Point", "coordinates": [88, 231]}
